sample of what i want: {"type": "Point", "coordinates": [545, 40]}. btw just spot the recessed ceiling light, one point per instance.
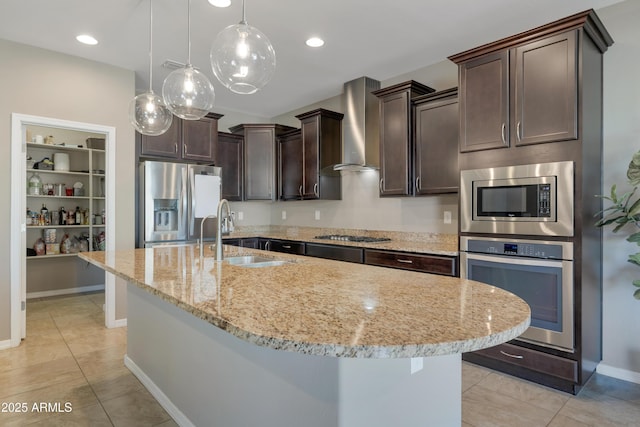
{"type": "Point", "coordinates": [220, 3]}
{"type": "Point", "coordinates": [315, 42]}
{"type": "Point", "coordinates": [87, 39]}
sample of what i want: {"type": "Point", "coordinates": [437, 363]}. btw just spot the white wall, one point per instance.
{"type": "Point", "coordinates": [621, 312]}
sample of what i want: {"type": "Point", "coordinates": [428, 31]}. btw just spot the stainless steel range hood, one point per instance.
{"type": "Point", "coordinates": [360, 126]}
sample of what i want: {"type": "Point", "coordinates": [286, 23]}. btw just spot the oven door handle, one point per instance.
{"type": "Point", "coordinates": [538, 262]}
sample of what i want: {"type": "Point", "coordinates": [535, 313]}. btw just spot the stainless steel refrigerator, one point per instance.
{"type": "Point", "coordinates": [174, 199]}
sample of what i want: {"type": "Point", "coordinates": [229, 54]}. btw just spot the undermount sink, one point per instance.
{"type": "Point", "coordinates": [253, 261]}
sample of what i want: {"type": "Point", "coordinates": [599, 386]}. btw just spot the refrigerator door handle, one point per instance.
{"type": "Point", "coordinates": [192, 192]}
{"type": "Point", "coordinates": [183, 205]}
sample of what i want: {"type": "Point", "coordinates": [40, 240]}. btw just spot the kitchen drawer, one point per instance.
{"type": "Point", "coordinates": [339, 253]}
{"type": "Point", "coordinates": [534, 360]}
{"type": "Point", "coordinates": [251, 242]}
{"type": "Point", "coordinates": [406, 261]}
{"type": "Point", "coordinates": [287, 246]}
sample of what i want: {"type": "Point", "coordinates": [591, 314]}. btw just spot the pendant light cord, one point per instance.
{"type": "Point", "coordinates": [189, 33]}
{"type": "Point", "coordinates": [244, 19]}
{"type": "Point", "coordinates": [150, 46]}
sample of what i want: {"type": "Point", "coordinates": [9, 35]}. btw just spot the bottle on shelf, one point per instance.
{"type": "Point", "coordinates": [71, 217]}
{"type": "Point", "coordinates": [63, 216]}
{"type": "Point", "coordinates": [35, 185]}
{"type": "Point", "coordinates": [78, 218]}
{"type": "Point", "coordinates": [44, 215]}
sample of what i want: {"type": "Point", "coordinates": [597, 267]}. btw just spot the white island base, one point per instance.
{"type": "Point", "coordinates": [204, 376]}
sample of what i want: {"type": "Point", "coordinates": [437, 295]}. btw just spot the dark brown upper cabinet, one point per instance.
{"type": "Point", "coordinates": [200, 139]}
{"type": "Point", "coordinates": [526, 89]}
{"type": "Point", "coordinates": [524, 95]}
{"type": "Point", "coordinates": [436, 143]}
{"type": "Point", "coordinates": [321, 132]}
{"type": "Point", "coordinates": [185, 140]}
{"type": "Point", "coordinates": [484, 102]}
{"type": "Point", "coordinates": [396, 137]}
{"type": "Point", "coordinates": [290, 165]}
{"type": "Point", "coordinates": [230, 160]}
{"type": "Point", "coordinates": [166, 145]}
{"type": "Point", "coordinates": [546, 90]}
{"type": "Point", "coordinates": [260, 178]}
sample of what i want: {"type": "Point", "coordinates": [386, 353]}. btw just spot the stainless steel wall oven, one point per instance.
{"type": "Point", "coordinates": [540, 272]}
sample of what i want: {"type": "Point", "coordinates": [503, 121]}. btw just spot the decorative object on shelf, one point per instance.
{"type": "Point", "coordinates": [61, 162]}
{"type": "Point", "coordinates": [147, 111]}
{"type": "Point", "coordinates": [243, 58]}
{"type": "Point", "coordinates": [44, 164]}
{"type": "Point", "coordinates": [625, 210]}
{"type": "Point", "coordinates": [187, 92]}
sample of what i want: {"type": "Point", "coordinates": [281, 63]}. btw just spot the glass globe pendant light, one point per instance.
{"type": "Point", "coordinates": [186, 91]}
{"type": "Point", "coordinates": [242, 57]}
{"type": "Point", "coordinates": [147, 112]}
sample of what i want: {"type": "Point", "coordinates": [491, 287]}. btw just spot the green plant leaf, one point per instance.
{"type": "Point", "coordinates": [607, 221]}
{"type": "Point", "coordinates": [635, 237]}
{"type": "Point", "coordinates": [636, 283]}
{"type": "Point", "coordinates": [633, 173]}
{"type": "Point", "coordinates": [636, 294]}
{"type": "Point", "coordinates": [614, 197]}
{"type": "Point", "coordinates": [634, 259]}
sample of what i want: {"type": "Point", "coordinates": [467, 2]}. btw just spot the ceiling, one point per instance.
{"type": "Point", "coordinates": [363, 37]}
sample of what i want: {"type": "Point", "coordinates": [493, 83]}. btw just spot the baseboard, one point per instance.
{"type": "Point", "coordinates": [177, 415]}
{"type": "Point", "coordinates": [621, 374]}
{"type": "Point", "coordinates": [5, 344]}
{"type": "Point", "coordinates": [119, 323]}
{"type": "Point", "coordinates": [56, 292]}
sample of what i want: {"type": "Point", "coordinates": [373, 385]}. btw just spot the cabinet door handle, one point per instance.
{"type": "Point", "coordinates": [184, 150]}
{"type": "Point", "coordinates": [300, 190]}
{"type": "Point", "coordinates": [405, 261]}
{"type": "Point", "coordinates": [513, 356]}
{"type": "Point", "coordinates": [315, 189]}
{"type": "Point", "coordinates": [503, 133]}
{"type": "Point", "coordinates": [266, 245]}
{"type": "Point", "coordinates": [518, 132]}
{"type": "Point", "coordinates": [418, 183]}
{"type": "Point", "coordinates": [381, 183]}
{"type": "Point", "coordinates": [175, 147]}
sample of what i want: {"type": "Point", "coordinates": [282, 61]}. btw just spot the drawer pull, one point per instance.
{"type": "Point", "coordinates": [405, 261]}
{"type": "Point", "coordinates": [513, 356]}
{"type": "Point", "coordinates": [286, 246]}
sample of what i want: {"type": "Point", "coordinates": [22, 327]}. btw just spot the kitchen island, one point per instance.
{"type": "Point", "coordinates": [310, 342]}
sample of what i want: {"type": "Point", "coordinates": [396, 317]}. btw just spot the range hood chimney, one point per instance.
{"type": "Point", "coordinates": [360, 126]}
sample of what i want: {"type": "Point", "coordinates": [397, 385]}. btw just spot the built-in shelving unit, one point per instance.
{"type": "Point", "coordinates": [81, 165]}
{"type": "Point", "coordinates": [86, 171]}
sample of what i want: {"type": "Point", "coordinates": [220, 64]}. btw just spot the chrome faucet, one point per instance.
{"type": "Point", "coordinates": [219, 252]}
{"type": "Point", "coordinates": [202, 234]}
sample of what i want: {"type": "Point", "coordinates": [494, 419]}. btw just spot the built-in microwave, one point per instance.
{"type": "Point", "coordinates": [534, 199]}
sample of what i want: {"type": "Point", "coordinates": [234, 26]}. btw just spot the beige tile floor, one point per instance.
{"type": "Point", "coordinates": [69, 356]}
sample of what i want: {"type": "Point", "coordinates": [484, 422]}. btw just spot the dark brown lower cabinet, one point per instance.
{"type": "Point", "coordinates": [409, 261]}
{"type": "Point", "coordinates": [286, 246]}
{"type": "Point", "coordinates": [335, 252]}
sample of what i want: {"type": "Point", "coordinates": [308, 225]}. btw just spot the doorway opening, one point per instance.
{"type": "Point", "coordinates": [57, 163]}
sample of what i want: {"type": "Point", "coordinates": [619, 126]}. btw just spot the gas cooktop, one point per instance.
{"type": "Point", "coordinates": [348, 238]}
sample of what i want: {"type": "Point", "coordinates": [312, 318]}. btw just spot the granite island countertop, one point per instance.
{"type": "Point", "coordinates": [323, 307]}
